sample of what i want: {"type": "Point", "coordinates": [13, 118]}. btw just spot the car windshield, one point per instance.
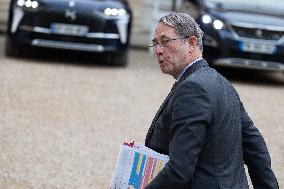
{"type": "Point", "coordinates": [265, 6]}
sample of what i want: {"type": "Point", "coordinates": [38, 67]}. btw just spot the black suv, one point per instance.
{"type": "Point", "coordinates": [98, 26]}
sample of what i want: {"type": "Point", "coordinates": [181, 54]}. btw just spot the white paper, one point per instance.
{"type": "Point", "coordinates": [136, 167]}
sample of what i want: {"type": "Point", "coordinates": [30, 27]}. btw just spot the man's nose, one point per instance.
{"type": "Point", "coordinates": [159, 49]}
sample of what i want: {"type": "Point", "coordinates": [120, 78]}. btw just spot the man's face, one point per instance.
{"type": "Point", "coordinates": [172, 55]}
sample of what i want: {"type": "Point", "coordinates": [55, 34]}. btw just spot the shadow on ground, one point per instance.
{"type": "Point", "coordinates": [253, 77]}
{"type": "Point", "coordinates": [64, 57]}
{"type": "Point", "coordinates": [46, 56]}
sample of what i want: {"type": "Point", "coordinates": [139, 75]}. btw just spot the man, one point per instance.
{"type": "Point", "coordinates": [202, 124]}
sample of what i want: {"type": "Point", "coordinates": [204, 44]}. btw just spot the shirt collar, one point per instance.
{"type": "Point", "coordinates": [190, 64]}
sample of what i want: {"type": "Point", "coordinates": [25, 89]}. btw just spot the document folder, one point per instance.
{"type": "Point", "coordinates": [136, 166]}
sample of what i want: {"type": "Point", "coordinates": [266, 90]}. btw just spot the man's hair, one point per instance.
{"type": "Point", "coordinates": [184, 25]}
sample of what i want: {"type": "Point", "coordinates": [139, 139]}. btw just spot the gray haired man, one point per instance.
{"type": "Point", "coordinates": [202, 124]}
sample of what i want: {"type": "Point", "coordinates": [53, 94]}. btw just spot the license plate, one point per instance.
{"type": "Point", "coordinates": [258, 47]}
{"type": "Point", "coordinates": [69, 29]}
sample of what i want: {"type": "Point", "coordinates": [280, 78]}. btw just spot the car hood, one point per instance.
{"type": "Point", "coordinates": [249, 17]}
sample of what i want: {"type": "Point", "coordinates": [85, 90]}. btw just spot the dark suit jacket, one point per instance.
{"type": "Point", "coordinates": [204, 128]}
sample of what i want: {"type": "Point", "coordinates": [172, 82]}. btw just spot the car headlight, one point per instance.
{"type": "Point", "coordinates": [115, 12]}
{"type": "Point", "coordinates": [29, 4]}
{"type": "Point", "coordinates": [206, 19]}
{"type": "Point", "coordinates": [217, 24]}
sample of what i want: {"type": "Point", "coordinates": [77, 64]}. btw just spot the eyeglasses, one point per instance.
{"type": "Point", "coordinates": [165, 42]}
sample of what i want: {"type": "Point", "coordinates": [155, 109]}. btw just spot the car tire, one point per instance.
{"type": "Point", "coordinates": [120, 59]}
{"type": "Point", "coordinates": [11, 49]}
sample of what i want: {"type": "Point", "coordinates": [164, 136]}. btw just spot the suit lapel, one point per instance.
{"type": "Point", "coordinates": [158, 114]}
{"type": "Point", "coordinates": [190, 70]}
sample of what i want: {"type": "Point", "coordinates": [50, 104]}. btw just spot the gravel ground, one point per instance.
{"type": "Point", "coordinates": [62, 121]}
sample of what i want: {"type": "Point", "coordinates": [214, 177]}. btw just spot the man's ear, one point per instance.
{"type": "Point", "coordinates": [192, 40]}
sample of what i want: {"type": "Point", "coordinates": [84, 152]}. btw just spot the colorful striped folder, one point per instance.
{"type": "Point", "coordinates": [136, 166]}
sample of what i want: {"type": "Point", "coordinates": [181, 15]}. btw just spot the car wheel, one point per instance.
{"type": "Point", "coordinates": [120, 59]}
{"type": "Point", "coordinates": [11, 49]}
